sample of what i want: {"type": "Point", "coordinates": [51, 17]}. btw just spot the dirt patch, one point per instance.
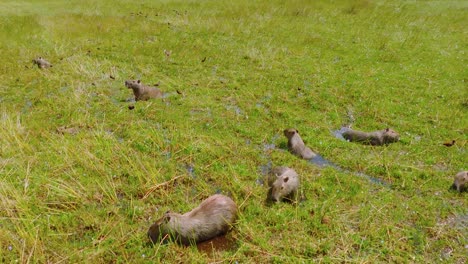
{"type": "Point", "coordinates": [217, 244]}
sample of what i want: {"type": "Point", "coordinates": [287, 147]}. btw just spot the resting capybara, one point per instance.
{"type": "Point", "coordinates": [41, 63]}
{"type": "Point", "coordinates": [460, 182]}
{"type": "Point", "coordinates": [296, 145]}
{"type": "Point", "coordinates": [143, 92]}
{"type": "Point", "coordinates": [213, 217]}
{"type": "Point", "coordinates": [376, 138]}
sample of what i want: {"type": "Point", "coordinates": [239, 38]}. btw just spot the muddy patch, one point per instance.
{"type": "Point", "coordinates": [217, 244]}
{"type": "Point", "coordinates": [68, 130]}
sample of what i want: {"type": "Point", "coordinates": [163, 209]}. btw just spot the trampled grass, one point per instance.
{"type": "Point", "coordinates": [239, 72]}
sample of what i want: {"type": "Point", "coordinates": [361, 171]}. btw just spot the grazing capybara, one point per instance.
{"type": "Point", "coordinates": [283, 182]}
{"type": "Point", "coordinates": [213, 217]}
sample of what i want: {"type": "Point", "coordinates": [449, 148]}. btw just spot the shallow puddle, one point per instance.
{"type": "Point", "coordinates": [461, 222]}
{"type": "Point", "coordinates": [190, 170]}
{"type": "Point", "coordinates": [322, 162]}
{"type": "Point", "coordinates": [339, 133]}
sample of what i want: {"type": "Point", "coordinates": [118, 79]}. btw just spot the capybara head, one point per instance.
{"type": "Point", "coordinates": [133, 84]}
{"type": "Point", "coordinates": [281, 188]}
{"type": "Point", "coordinates": [158, 231]}
{"type": "Point", "coordinates": [290, 132]}
{"type": "Point", "coordinates": [37, 60]}
{"type": "Point", "coordinates": [390, 135]}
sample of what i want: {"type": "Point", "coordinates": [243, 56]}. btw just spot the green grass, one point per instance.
{"type": "Point", "coordinates": [246, 71]}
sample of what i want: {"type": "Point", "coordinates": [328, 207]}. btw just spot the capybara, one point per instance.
{"type": "Point", "coordinates": [376, 138]}
{"type": "Point", "coordinates": [213, 217]}
{"type": "Point", "coordinates": [143, 92]}
{"type": "Point", "coordinates": [296, 145]}
{"type": "Point", "coordinates": [283, 182]}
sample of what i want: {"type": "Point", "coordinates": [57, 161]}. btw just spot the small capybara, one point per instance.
{"type": "Point", "coordinates": [213, 217]}
{"type": "Point", "coordinates": [376, 138]}
{"type": "Point", "coordinates": [296, 145]}
{"type": "Point", "coordinates": [283, 182]}
{"type": "Point", "coordinates": [143, 92]}
{"type": "Point", "coordinates": [41, 63]}
{"type": "Point", "coordinates": [460, 182]}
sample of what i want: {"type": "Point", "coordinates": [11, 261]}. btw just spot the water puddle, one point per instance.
{"type": "Point", "coordinates": [27, 106]}
{"type": "Point", "coordinates": [201, 111]}
{"type": "Point", "coordinates": [235, 108]}
{"type": "Point", "coordinates": [191, 170]}
{"type": "Point", "coordinates": [339, 133]}
{"type": "Point", "coordinates": [461, 222]}
{"type": "Point", "coordinates": [266, 168]}
{"type": "Point", "coordinates": [322, 162]}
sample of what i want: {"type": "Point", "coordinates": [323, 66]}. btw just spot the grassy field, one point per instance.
{"type": "Point", "coordinates": [239, 72]}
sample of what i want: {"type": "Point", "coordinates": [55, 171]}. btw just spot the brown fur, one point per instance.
{"type": "Point", "coordinates": [41, 63]}
{"type": "Point", "coordinates": [376, 138]}
{"type": "Point", "coordinates": [460, 182]}
{"type": "Point", "coordinates": [283, 182]}
{"type": "Point", "coordinates": [143, 92]}
{"type": "Point", "coordinates": [296, 145]}
{"type": "Point", "coordinates": [213, 217]}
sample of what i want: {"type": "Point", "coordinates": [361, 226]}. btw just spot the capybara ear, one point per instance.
{"type": "Point", "coordinates": [40, 58]}
{"type": "Point", "coordinates": [286, 179]}
{"type": "Point", "coordinates": [387, 129]}
{"type": "Point", "coordinates": [138, 81]}
{"type": "Point", "coordinates": [297, 131]}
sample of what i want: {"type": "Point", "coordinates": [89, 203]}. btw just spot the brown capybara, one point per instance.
{"type": "Point", "coordinates": [283, 182]}
{"type": "Point", "coordinates": [41, 63]}
{"type": "Point", "coordinates": [143, 92]}
{"type": "Point", "coordinates": [376, 138]}
{"type": "Point", "coordinates": [297, 146]}
{"type": "Point", "coordinates": [213, 217]}
{"type": "Point", "coordinates": [460, 182]}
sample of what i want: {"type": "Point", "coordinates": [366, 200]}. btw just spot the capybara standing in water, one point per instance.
{"type": "Point", "coordinates": [296, 145]}
{"type": "Point", "coordinates": [460, 182]}
{"type": "Point", "coordinates": [41, 63]}
{"type": "Point", "coordinates": [213, 217]}
{"type": "Point", "coordinates": [143, 92]}
{"type": "Point", "coordinates": [376, 138]}
{"type": "Point", "coordinates": [283, 182]}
